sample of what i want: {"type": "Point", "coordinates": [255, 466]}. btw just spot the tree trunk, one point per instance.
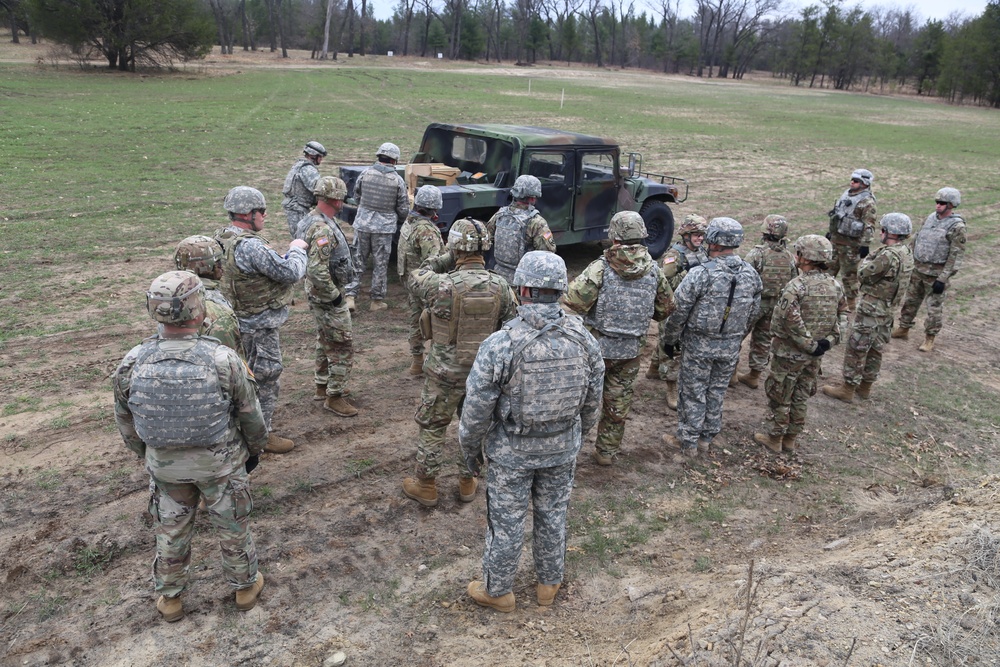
{"type": "Point", "coordinates": [271, 24]}
{"type": "Point", "coordinates": [350, 28]}
{"type": "Point", "coordinates": [326, 30]}
{"type": "Point", "coordinates": [361, 26]}
{"type": "Point", "coordinates": [281, 31]}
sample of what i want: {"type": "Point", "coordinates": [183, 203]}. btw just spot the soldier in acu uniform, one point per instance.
{"type": "Point", "coordinates": [532, 394]}
{"type": "Point", "coordinates": [884, 276]}
{"type": "Point", "coordinates": [937, 256]}
{"type": "Point", "coordinates": [298, 188]}
{"type": "Point", "coordinates": [715, 305]}
{"type": "Point", "coordinates": [419, 240]}
{"type": "Point", "coordinates": [463, 307]}
{"type": "Point", "coordinates": [809, 318]}
{"type": "Point", "coordinates": [518, 228]}
{"type": "Point", "coordinates": [618, 295]}
{"type": "Point", "coordinates": [852, 226]}
{"type": "Point", "coordinates": [202, 256]}
{"type": "Point", "coordinates": [188, 406]}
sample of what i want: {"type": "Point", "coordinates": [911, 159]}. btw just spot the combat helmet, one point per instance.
{"type": "Point", "coordinates": [468, 235]}
{"type": "Point", "coordinates": [896, 223]}
{"type": "Point", "coordinates": [864, 176]}
{"type": "Point", "coordinates": [693, 224]}
{"type": "Point", "coordinates": [314, 149]}
{"type": "Point", "coordinates": [627, 226]}
{"type": "Point", "coordinates": [540, 269]}
{"type": "Point", "coordinates": [814, 248]}
{"type": "Point", "coordinates": [950, 195]}
{"type": "Point", "coordinates": [774, 225]}
{"type": "Point", "coordinates": [176, 298]}
{"type": "Point", "coordinates": [330, 187]}
{"type": "Point", "coordinates": [389, 150]}
{"type": "Point", "coordinates": [243, 199]}
{"type": "Point", "coordinates": [526, 186]}
{"type": "Point", "coordinates": [724, 232]}
{"type": "Point", "coordinates": [198, 254]}
{"type": "Point", "coordinates": [428, 197]}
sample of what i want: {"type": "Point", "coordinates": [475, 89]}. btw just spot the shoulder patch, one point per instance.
{"type": "Point", "coordinates": [669, 260]}
{"type": "Point", "coordinates": [322, 241]}
{"type": "Point", "coordinates": [547, 235]}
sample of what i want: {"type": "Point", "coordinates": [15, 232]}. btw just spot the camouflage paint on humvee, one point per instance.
{"type": "Point", "coordinates": [583, 181]}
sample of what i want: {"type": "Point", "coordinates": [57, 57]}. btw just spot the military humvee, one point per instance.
{"type": "Point", "coordinates": [583, 180]}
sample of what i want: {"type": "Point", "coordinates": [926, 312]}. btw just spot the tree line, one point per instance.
{"type": "Point", "coordinates": [825, 45]}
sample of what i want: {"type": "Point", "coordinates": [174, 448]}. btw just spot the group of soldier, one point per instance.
{"type": "Point", "coordinates": [528, 360]}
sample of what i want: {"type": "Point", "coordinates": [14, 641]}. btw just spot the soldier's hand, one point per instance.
{"type": "Point", "coordinates": [252, 462]}
{"type": "Point", "coordinates": [862, 251]}
{"type": "Point", "coordinates": [829, 236]}
{"type": "Point", "coordinates": [938, 287]}
{"type": "Point", "coordinates": [300, 244]}
{"type": "Point", "coordinates": [669, 350]}
{"type": "Point", "coordinates": [822, 347]}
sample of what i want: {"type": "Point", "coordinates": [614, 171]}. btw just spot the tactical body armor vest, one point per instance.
{"type": "Point", "coordinates": [725, 310]}
{"type": "Point", "coordinates": [407, 257]}
{"type": "Point", "coordinates": [175, 397]}
{"type": "Point", "coordinates": [295, 191]}
{"type": "Point", "coordinates": [818, 306]}
{"type": "Point", "coordinates": [623, 311]}
{"type": "Point", "coordinates": [379, 185]}
{"type": "Point", "coordinates": [931, 245]}
{"type": "Point", "coordinates": [250, 293]}
{"type": "Point", "coordinates": [216, 296]}
{"type": "Point", "coordinates": [890, 286]}
{"type": "Point", "coordinates": [511, 239]}
{"type": "Point", "coordinates": [848, 223]}
{"type": "Point", "coordinates": [475, 310]}
{"type": "Point", "coordinates": [779, 268]}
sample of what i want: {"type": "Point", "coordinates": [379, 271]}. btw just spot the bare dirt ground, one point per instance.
{"type": "Point", "coordinates": [876, 545]}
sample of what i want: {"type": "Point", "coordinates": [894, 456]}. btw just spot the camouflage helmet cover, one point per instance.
{"type": "Point", "coordinates": [814, 248]}
{"type": "Point", "coordinates": [198, 254]}
{"type": "Point", "coordinates": [176, 298]}
{"type": "Point", "coordinates": [429, 197]}
{"type": "Point", "coordinates": [389, 150]}
{"type": "Point", "coordinates": [774, 225]}
{"type": "Point", "coordinates": [724, 232]}
{"type": "Point", "coordinates": [626, 226]}
{"type": "Point", "coordinates": [540, 268]}
{"type": "Point", "coordinates": [897, 223]}
{"type": "Point", "coordinates": [314, 148]}
{"type": "Point", "coordinates": [950, 195]}
{"type": "Point", "coordinates": [468, 235]}
{"type": "Point", "coordinates": [693, 224]}
{"type": "Point", "coordinates": [244, 199]}
{"type": "Point", "coordinates": [526, 186]}
{"type": "Point", "coordinates": [330, 187]}
{"type": "Point", "coordinates": [864, 176]}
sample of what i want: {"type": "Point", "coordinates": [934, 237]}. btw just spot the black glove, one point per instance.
{"type": "Point", "coordinates": [829, 235]}
{"type": "Point", "coordinates": [862, 251]}
{"type": "Point", "coordinates": [668, 349]}
{"type": "Point", "coordinates": [339, 300]}
{"type": "Point", "coordinates": [938, 287]}
{"type": "Point", "coordinates": [252, 462]}
{"type": "Point", "coordinates": [822, 347]}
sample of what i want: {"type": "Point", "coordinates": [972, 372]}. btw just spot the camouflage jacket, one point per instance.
{"type": "Point", "coordinates": [812, 306]}
{"type": "Point", "coordinates": [884, 276]}
{"type": "Point", "coordinates": [419, 240]}
{"type": "Point", "coordinates": [299, 184]}
{"type": "Point", "coordinates": [330, 268]}
{"type": "Point", "coordinates": [487, 399]}
{"type": "Point", "coordinates": [246, 434]}
{"type": "Point", "coordinates": [678, 260]}
{"type": "Point", "coordinates": [221, 323]}
{"type": "Point", "coordinates": [776, 265]}
{"type": "Point", "coordinates": [954, 238]}
{"type": "Point", "coordinates": [854, 207]}
{"type": "Point", "coordinates": [383, 203]}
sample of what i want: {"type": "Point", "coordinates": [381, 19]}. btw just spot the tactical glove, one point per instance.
{"type": "Point", "coordinates": [668, 349]}
{"type": "Point", "coordinates": [938, 287]}
{"type": "Point", "coordinates": [862, 251]}
{"type": "Point", "coordinates": [822, 346]}
{"type": "Point", "coordinates": [829, 235]}
{"type": "Point", "coordinates": [252, 462]}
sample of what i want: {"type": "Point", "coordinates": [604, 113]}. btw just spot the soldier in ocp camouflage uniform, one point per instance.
{"type": "Point", "coordinates": [617, 295]}
{"type": "Point", "coordinates": [884, 276]}
{"type": "Point", "coordinates": [810, 317]}
{"type": "Point", "coordinates": [419, 240]}
{"type": "Point", "coordinates": [298, 188]}
{"type": "Point", "coordinates": [852, 226]}
{"type": "Point", "coordinates": [534, 391]}
{"type": "Point", "coordinates": [937, 255]}
{"type": "Point", "coordinates": [715, 305]}
{"type": "Point", "coordinates": [188, 406]}
{"type": "Point", "coordinates": [518, 228]}
{"type": "Point", "coordinates": [463, 307]}
{"type": "Point", "coordinates": [776, 266]}
{"type": "Point", "coordinates": [329, 271]}
{"type": "Point", "coordinates": [202, 256]}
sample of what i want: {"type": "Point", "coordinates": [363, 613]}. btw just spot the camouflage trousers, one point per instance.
{"type": "Point", "coordinates": [845, 262]}
{"type": "Point", "coordinates": [296, 218]}
{"type": "Point", "coordinates": [788, 387]}
{"type": "Point", "coordinates": [619, 386]}
{"type": "Point", "coordinates": [701, 388]}
{"type": "Point", "coordinates": [334, 347]}
{"type": "Point", "coordinates": [173, 507]}
{"type": "Point", "coordinates": [667, 368]}
{"type": "Point", "coordinates": [863, 356]}
{"type": "Point", "coordinates": [760, 338]}
{"type": "Point", "coordinates": [507, 494]}
{"type": "Point", "coordinates": [438, 403]}
{"type": "Point", "coordinates": [414, 309]}
{"type": "Point", "coordinates": [920, 287]}
{"type": "Point", "coordinates": [378, 247]}
{"type": "Point", "coordinates": [263, 354]}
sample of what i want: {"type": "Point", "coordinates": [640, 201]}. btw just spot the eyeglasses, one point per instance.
{"type": "Point", "coordinates": [855, 180]}
{"type": "Point", "coordinates": [942, 203]}
{"type": "Point", "coordinates": [262, 211]}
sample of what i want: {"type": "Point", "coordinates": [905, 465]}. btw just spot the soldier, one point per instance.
{"type": "Point", "coordinates": [462, 308]}
{"type": "Point", "coordinates": [258, 282]}
{"type": "Point", "coordinates": [937, 256]}
{"type": "Point", "coordinates": [532, 394]}
{"type": "Point", "coordinates": [419, 240]}
{"type": "Point", "coordinates": [809, 318]}
{"type": "Point", "coordinates": [852, 226]}
{"type": "Point", "coordinates": [676, 262]}
{"type": "Point", "coordinates": [383, 205]}
{"type": "Point", "coordinates": [519, 227]}
{"type": "Point", "coordinates": [884, 276]}
{"type": "Point", "coordinates": [776, 266]}
{"type": "Point", "coordinates": [188, 406]}
{"type": "Point", "coordinates": [202, 256]}
{"type": "Point", "coordinates": [617, 295]}
{"type": "Point", "coordinates": [298, 188]}
{"type": "Point", "coordinates": [715, 305]}
{"type": "Point", "coordinates": [329, 271]}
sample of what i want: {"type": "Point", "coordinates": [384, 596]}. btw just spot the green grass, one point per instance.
{"type": "Point", "coordinates": [609, 526]}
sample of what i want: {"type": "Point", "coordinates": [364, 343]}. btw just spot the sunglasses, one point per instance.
{"type": "Point", "coordinates": [942, 203]}
{"type": "Point", "coordinates": [262, 211]}
{"type": "Point", "coordinates": [855, 180]}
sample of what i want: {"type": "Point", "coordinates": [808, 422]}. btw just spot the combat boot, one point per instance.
{"type": "Point", "coordinates": [788, 442]}
{"type": "Point", "coordinates": [771, 442]}
{"type": "Point", "coordinates": [704, 446]}
{"type": "Point", "coordinates": [246, 598]}
{"type": "Point", "coordinates": [653, 372]}
{"type": "Point", "coordinates": [864, 389]}
{"type": "Point", "coordinates": [546, 594]}
{"type": "Point", "coordinates": [602, 459]}
{"type": "Point", "coordinates": [350, 304]}
{"type": "Point", "coordinates": [377, 305]}
{"type": "Point", "coordinates": [339, 406]}
{"type": "Point", "coordinates": [751, 379]}
{"type": "Point", "coordinates": [477, 591]}
{"type": "Point", "coordinates": [928, 344]}
{"type": "Point", "coordinates": [422, 489]}
{"type": "Point", "coordinates": [278, 445]}
{"type": "Point", "coordinates": [901, 333]}
{"type": "Point", "coordinates": [320, 394]}
{"type": "Point", "coordinates": [734, 380]}
{"type": "Point", "coordinates": [851, 303]}
{"type": "Point", "coordinates": [467, 489]}
{"type": "Point", "coordinates": [672, 395]}
{"type": "Point", "coordinates": [417, 364]}
{"type": "Point", "coordinates": [170, 609]}
{"type": "Point", "coordinates": [843, 392]}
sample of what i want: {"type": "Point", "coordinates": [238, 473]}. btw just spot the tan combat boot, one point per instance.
{"type": "Point", "coordinates": [339, 406]}
{"type": "Point", "coordinates": [477, 591]}
{"type": "Point", "coordinates": [771, 442]}
{"type": "Point", "coordinates": [546, 593]}
{"type": "Point", "coordinates": [417, 364]}
{"type": "Point", "coordinates": [246, 598]}
{"type": "Point", "coordinates": [788, 442]}
{"type": "Point", "coordinates": [422, 489]}
{"type": "Point", "coordinates": [170, 609]}
{"type": "Point", "coordinates": [278, 445]}
{"type": "Point", "coordinates": [350, 304]}
{"type": "Point", "coordinates": [864, 389]}
{"type": "Point", "coordinates": [751, 379]}
{"type": "Point", "coordinates": [672, 395]}
{"type": "Point", "coordinates": [320, 394]}
{"type": "Point", "coordinates": [734, 381]}
{"type": "Point", "coordinates": [653, 372]}
{"type": "Point", "coordinates": [900, 332]}
{"type": "Point", "coordinates": [602, 459]}
{"type": "Point", "coordinates": [842, 392]}
{"type": "Point", "coordinates": [377, 305]}
{"type": "Point", "coordinates": [928, 344]}
{"type": "Point", "coordinates": [467, 489]}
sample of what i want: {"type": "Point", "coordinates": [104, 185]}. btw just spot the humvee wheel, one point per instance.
{"type": "Point", "coordinates": [659, 221]}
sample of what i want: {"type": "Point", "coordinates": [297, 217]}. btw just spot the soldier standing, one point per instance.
{"type": "Point", "coordinates": [202, 256]}
{"type": "Point", "coordinates": [419, 240]}
{"type": "Point", "coordinates": [534, 391]}
{"type": "Point", "coordinates": [680, 258]}
{"type": "Point", "coordinates": [884, 276]}
{"type": "Point", "coordinates": [776, 266]}
{"type": "Point", "coordinates": [329, 271]}
{"type": "Point", "coordinates": [463, 307]}
{"type": "Point", "coordinates": [187, 406]}
{"type": "Point", "coordinates": [517, 228]}
{"type": "Point", "coordinates": [937, 256]}
{"type": "Point", "coordinates": [715, 305]}
{"type": "Point", "coordinates": [852, 226]}
{"type": "Point", "coordinates": [618, 295]}
{"type": "Point", "coordinates": [808, 320]}
{"type": "Point", "coordinates": [383, 205]}
{"type": "Point", "coordinates": [258, 282]}
{"type": "Point", "coordinates": [299, 185]}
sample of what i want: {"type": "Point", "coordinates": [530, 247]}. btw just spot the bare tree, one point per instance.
{"type": "Point", "coordinates": [405, 11]}
{"type": "Point", "coordinates": [331, 6]}
{"type": "Point", "coordinates": [669, 12]}
{"type": "Point", "coordinates": [361, 26]}
{"type": "Point", "coordinates": [455, 9]}
{"type": "Point", "coordinates": [594, 10]}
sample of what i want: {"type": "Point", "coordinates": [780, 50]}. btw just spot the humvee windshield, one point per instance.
{"type": "Point", "coordinates": [469, 153]}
